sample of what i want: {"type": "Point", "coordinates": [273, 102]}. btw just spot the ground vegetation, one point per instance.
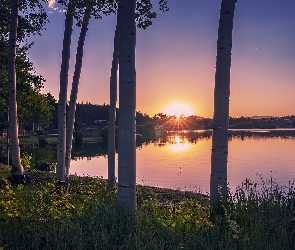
{"type": "Point", "coordinates": [83, 215]}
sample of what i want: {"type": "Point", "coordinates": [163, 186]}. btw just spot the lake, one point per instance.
{"type": "Point", "coordinates": [182, 161]}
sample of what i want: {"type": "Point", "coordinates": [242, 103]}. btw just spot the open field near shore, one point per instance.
{"type": "Point", "coordinates": [51, 140]}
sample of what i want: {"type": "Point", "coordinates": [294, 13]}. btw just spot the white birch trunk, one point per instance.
{"type": "Point", "coordinates": [126, 200]}
{"type": "Point", "coordinates": [112, 112]}
{"type": "Point", "coordinates": [62, 102]}
{"type": "Point", "coordinates": [221, 102]}
{"type": "Point", "coordinates": [13, 120]}
{"type": "Point", "coordinates": [74, 93]}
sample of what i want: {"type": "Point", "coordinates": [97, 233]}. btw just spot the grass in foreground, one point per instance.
{"type": "Point", "coordinates": [41, 216]}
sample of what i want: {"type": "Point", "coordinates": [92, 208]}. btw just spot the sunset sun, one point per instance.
{"type": "Point", "coordinates": [178, 109]}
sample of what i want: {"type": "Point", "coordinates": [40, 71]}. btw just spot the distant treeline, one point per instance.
{"type": "Point", "coordinates": [87, 113]}
{"type": "Point", "coordinates": [273, 122]}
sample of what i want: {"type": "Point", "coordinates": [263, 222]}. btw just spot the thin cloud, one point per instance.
{"type": "Point", "coordinates": [51, 5]}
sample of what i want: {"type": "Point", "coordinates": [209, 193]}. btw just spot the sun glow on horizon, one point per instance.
{"type": "Point", "coordinates": [179, 109]}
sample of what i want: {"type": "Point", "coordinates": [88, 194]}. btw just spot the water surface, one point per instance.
{"type": "Point", "coordinates": [183, 161]}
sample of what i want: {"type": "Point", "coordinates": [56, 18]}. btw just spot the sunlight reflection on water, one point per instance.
{"type": "Point", "coordinates": [182, 164]}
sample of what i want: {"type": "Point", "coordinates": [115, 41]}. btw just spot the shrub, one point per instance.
{"type": "Point", "coordinates": [26, 160]}
{"type": "Point", "coordinates": [44, 166]}
{"type": "Point", "coordinates": [42, 142]}
{"type": "Point", "coordinates": [104, 133]}
{"type": "Point", "coordinates": [5, 170]}
{"type": "Point", "coordinates": [40, 132]}
{"type": "Point", "coordinates": [78, 137]}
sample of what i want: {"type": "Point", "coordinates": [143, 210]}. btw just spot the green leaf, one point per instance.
{"type": "Point", "coordinates": [19, 188]}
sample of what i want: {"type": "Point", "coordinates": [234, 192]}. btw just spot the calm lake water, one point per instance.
{"type": "Point", "coordinates": [183, 161]}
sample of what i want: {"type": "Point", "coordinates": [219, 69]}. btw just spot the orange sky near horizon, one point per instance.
{"type": "Point", "coordinates": [175, 59]}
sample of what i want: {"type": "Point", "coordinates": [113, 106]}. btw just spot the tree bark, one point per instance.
{"type": "Point", "coordinates": [62, 102]}
{"type": "Point", "coordinates": [13, 119]}
{"type": "Point", "coordinates": [126, 200]}
{"type": "Point", "coordinates": [221, 102]}
{"type": "Point", "coordinates": [74, 91]}
{"type": "Point", "coordinates": [112, 112]}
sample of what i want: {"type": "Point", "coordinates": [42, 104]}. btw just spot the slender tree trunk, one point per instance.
{"type": "Point", "coordinates": [221, 102]}
{"type": "Point", "coordinates": [126, 200]}
{"type": "Point", "coordinates": [74, 91]}
{"type": "Point", "coordinates": [13, 120]}
{"type": "Point", "coordinates": [112, 112]}
{"type": "Point", "coordinates": [62, 102]}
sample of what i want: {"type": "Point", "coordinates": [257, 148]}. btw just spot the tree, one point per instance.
{"type": "Point", "coordinates": [87, 112]}
{"type": "Point", "coordinates": [112, 112]}
{"type": "Point", "coordinates": [74, 91]}
{"type": "Point", "coordinates": [92, 8]}
{"type": "Point", "coordinates": [128, 13]}
{"type": "Point", "coordinates": [35, 110]}
{"type": "Point", "coordinates": [54, 106]}
{"type": "Point", "coordinates": [31, 21]}
{"type": "Point", "coordinates": [221, 102]}
{"type": "Point", "coordinates": [62, 101]}
{"type": "Point", "coordinates": [32, 105]}
{"type": "Point", "coordinates": [127, 103]}
{"type": "Point", "coordinates": [29, 26]}
{"type": "Point", "coordinates": [15, 150]}
{"type": "Point", "coordinates": [143, 17]}
{"type": "Point", "coordinates": [82, 12]}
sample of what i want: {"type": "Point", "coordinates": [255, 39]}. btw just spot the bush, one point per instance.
{"type": "Point", "coordinates": [78, 137]}
{"type": "Point", "coordinates": [44, 166]}
{"type": "Point", "coordinates": [5, 170]}
{"type": "Point", "coordinates": [40, 132]}
{"type": "Point", "coordinates": [26, 160]}
{"type": "Point", "coordinates": [104, 133]}
{"type": "Point", "coordinates": [42, 142]}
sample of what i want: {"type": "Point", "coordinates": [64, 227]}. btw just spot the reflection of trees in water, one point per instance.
{"type": "Point", "coordinates": [258, 135]}
{"type": "Point", "coordinates": [47, 154]}
{"type": "Point", "coordinates": [173, 137]}
{"type": "Point", "coordinates": [40, 154]}
{"type": "Point", "coordinates": [89, 150]}
{"type": "Point", "coordinates": [193, 137]}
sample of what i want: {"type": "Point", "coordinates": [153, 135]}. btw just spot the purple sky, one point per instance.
{"type": "Point", "coordinates": [176, 58]}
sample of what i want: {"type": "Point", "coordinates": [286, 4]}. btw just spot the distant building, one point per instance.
{"type": "Point", "coordinates": [100, 122]}
{"type": "Point", "coordinates": [159, 130]}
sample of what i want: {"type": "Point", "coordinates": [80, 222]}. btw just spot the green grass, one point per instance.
{"type": "Point", "coordinates": [50, 140]}
{"type": "Point", "coordinates": [40, 215]}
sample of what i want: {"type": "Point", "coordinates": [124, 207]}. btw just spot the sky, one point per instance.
{"type": "Point", "coordinates": [176, 56]}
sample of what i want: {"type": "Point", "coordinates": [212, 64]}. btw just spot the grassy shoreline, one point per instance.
{"type": "Point", "coordinates": [40, 215]}
{"type": "Point", "coordinates": [33, 140]}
